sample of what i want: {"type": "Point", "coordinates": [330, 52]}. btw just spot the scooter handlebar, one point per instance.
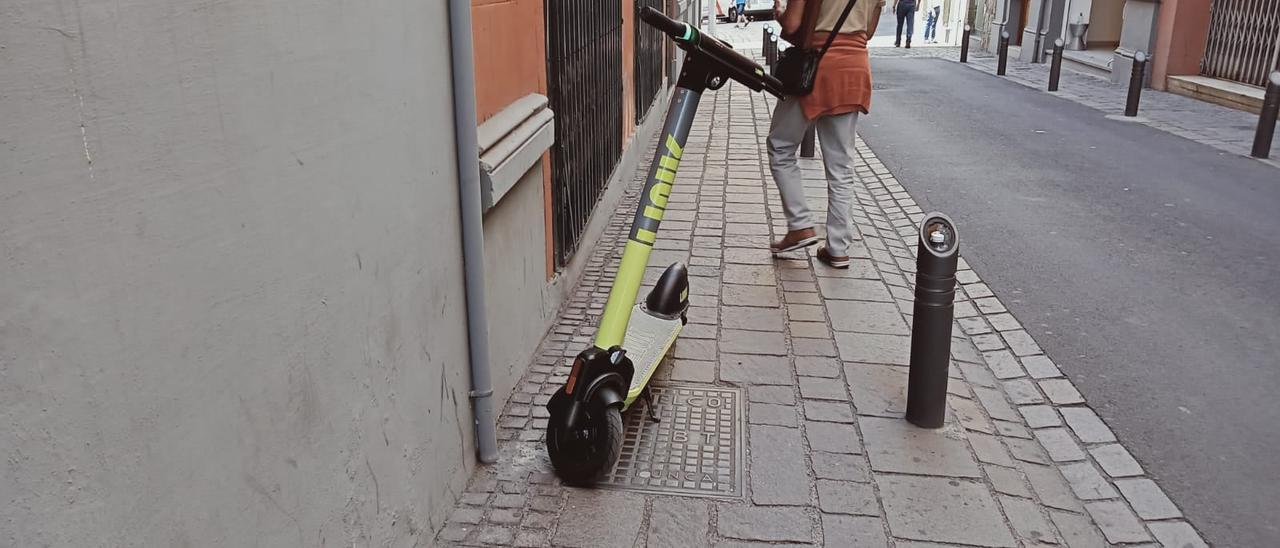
{"type": "Point", "coordinates": [740, 68]}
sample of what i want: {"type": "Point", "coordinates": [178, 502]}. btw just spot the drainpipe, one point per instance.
{"type": "Point", "coordinates": [1037, 54]}
{"type": "Point", "coordinates": [468, 164]}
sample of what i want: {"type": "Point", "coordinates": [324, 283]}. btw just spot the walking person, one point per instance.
{"type": "Point", "coordinates": [841, 92]}
{"type": "Point", "coordinates": [931, 24]}
{"type": "Point", "coordinates": [741, 6]}
{"type": "Point", "coordinates": [906, 12]}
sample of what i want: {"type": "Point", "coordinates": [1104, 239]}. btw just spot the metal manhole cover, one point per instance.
{"type": "Point", "coordinates": [696, 450]}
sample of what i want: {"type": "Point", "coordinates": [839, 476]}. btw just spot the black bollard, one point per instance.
{"type": "Point", "coordinates": [766, 45]}
{"type": "Point", "coordinates": [1135, 84]}
{"type": "Point", "coordinates": [964, 44]}
{"type": "Point", "coordinates": [1055, 67]}
{"type": "Point", "coordinates": [937, 255]}
{"type": "Point", "coordinates": [1004, 53]}
{"type": "Point", "coordinates": [1267, 119]}
{"type": "Point", "coordinates": [806, 144]}
{"type": "Point", "coordinates": [773, 50]}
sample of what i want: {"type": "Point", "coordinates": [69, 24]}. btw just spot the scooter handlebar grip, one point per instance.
{"type": "Point", "coordinates": [667, 25]}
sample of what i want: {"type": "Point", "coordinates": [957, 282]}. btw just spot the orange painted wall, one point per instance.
{"type": "Point", "coordinates": [510, 46]}
{"type": "Point", "coordinates": [628, 71]}
{"type": "Point", "coordinates": [1181, 32]}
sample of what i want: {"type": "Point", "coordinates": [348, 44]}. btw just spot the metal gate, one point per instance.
{"type": "Point", "coordinates": [649, 55]}
{"type": "Point", "coordinates": [584, 81]}
{"type": "Point", "coordinates": [1244, 40]}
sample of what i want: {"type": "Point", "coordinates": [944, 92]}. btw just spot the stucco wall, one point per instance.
{"type": "Point", "coordinates": [231, 307]}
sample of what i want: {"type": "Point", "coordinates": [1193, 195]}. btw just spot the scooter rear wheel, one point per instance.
{"type": "Point", "coordinates": [583, 456]}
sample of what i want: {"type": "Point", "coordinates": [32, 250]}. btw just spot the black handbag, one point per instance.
{"type": "Point", "coordinates": [797, 67]}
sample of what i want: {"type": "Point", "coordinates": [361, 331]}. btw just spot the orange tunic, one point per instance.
{"type": "Point", "coordinates": [843, 82]}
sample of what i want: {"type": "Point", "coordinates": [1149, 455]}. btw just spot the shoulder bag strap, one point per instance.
{"type": "Point", "coordinates": [831, 37]}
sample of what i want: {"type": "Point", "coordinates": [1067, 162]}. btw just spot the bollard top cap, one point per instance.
{"type": "Point", "coordinates": [938, 235]}
{"type": "Point", "coordinates": [968, 27]}
{"type": "Point", "coordinates": [1275, 78]}
{"type": "Point", "coordinates": [1004, 34]}
{"type": "Point", "coordinates": [1140, 57]}
{"type": "Point", "coordinates": [1057, 43]}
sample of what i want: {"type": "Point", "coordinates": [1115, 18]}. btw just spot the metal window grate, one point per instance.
{"type": "Point", "coordinates": [584, 80]}
{"type": "Point", "coordinates": [649, 57]}
{"type": "Point", "coordinates": [1244, 40]}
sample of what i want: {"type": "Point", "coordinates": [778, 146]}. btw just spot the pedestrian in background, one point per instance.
{"type": "Point", "coordinates": [841, 92]}
{"type": "Point", "coordinates": [741, 6]}
{"type": "Point", "coordinates": [931, 23]}
{"type": "Point", "coordinates": [906, 12]}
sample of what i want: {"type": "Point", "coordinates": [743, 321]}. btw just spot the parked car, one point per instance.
{"type": "Point", "coordinates": [727, 10]}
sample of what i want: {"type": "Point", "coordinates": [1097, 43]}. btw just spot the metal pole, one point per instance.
{"type": "Point", "coordinates": [806, 144]}
{"type": "Point", "coordinates": [1055, 68]}
{"type": "Point", "coordinates": [773, 50]}
{"type": "Point", "coordinates": [1004, 53]}
{"type": "Point", "coordinates": [964, 44]}
{"type": "Point", "coordinates": [1135, 84]}
{"type": "Point", "coordinates": [1267, 119]}
{"type": "Point", "coordinates": [937, 255]}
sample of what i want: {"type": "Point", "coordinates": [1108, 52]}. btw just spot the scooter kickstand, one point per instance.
{"type": "Point", "coordinates": [648, 405]}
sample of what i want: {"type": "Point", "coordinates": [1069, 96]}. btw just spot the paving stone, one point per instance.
{"type": "Point", "coordinates": [782, 395]}
{"type": "Point", "coordinates": [844, 497]}
{"type": "Point", "coordinates": [970, 415]}
{"type": "Point", "coordinates": [1040, 416]}
{"type": "Point", "coordinates": [1012, 430]}
{"type": "Point", "coordinates": [1147, 499]}
{"type": "Point", "coordinates": [832, 437]}
{"type": "Point", "coordinates": [454, 532]}
{"type": "Point", "coordinates": [768, 413]}
{"type": "Point", "coordinates": [1027, 451]}
{"type": "Point", "coordinates": [1041, 367]}
{"type": "Point", "coordinates": [505, 516]}
{"type": "Point", "coordinates": [764, 524]}
{"type": "Point", "coordinates": [838, 530]}
{"type": "Point", "coordinates": [806, 313]}
{"type": "Point", "coordinates": [989, 449]}
{"type": "Point", "coordinates": [827, 411]}
{"type": "Point", "coordinates": [1087, 426]}
{"type": "Point", "coordinates": [778, 472]}
{"type": "Point", "coordinates": [693, 371]}
{"type": "Point", "coordinates": [878, 349]}
{"type": "Point", "coordinates": [1059, 444]}
{"type": "Point", "coordinates": [942, 510]}
{"type": "Point", "coordinates": [700, 331]}
{"type": "Point", "coordinates": [989, 305]}
{"type": "Point", "coordinates": [813, 347]}
{"type": "Point", "coordinates": [1027, 520]}
{"type": "Point", "coordinates": [538, 520]}
{"type": "Point", "coordinates": [796, 275]}
{"type": "Point", "coordinates": [877, 390]}
{"type": "Point", "coordinates": [965, 309]}
{"type": "Point", "coordinates": [976, 325]}
{"type": "Point", "coordinates": [1021, 343]}
{"type": "Point", "coordinates": [976, 374]}
{"type": "Point", "coordinates": [599, 517]}
{"type": "Point", "coordinates": [1061, 392]}
{"type": "Point", "coordinates": [818, 366]}
{"type": "Point", "coordinates": [676, 520]}
{"type": "Point", "coordinates": [988, 342]}
{"type": "Point", "coordinates": [1004, 365]}
{"type": "Point", "coordinates": [1008, 481]}
{"type": "Point", "coordinates": [867, 317]}
{"type": "Point", "coordinates": [822, 389]}
{"type": "Point", "coordinates": [1050, 486]}
{"type": "Point", "coordinates": [839, 466]}
{"type": "Point", "coordinates": [502, 536]}
{"type": "Point", "coordinates": [466, 515]}
{"type": "Point", "coordinates": [1116, 461]}
{"type": "Point", "coordinates": [531, 538]}
{"type": "Point", "coordinates": [854, 289]}
{"type": "Point", "coordinates": [753, 318]}
{"type": "Point", "coordinates": [857, 269]}
{"type": "Point", "coordinates": [750, 295]}
{"type": "Point", "coordinates": [1176, 534]}
{"type": "Point", "coordinates": [743, 274]}
{"type": "Point", "coordinates": [802, 298]}
{"type": "Point", "coordinates": [810, 330]}
{"type": "Point", "coordinates": [977, 291]}
{"type": "Point", "coordinates": [894, 445]}
{"type": "Point", "coordinates": [1117, 522]}
{"type": "Point", "coordinates": [1077, 531]}
{"type": "Point", "coordinates": [753, 369]}
{"type": "Point", "coordinates": [744, 255]}
{"type": "Point", "coordinates": [736, 341]}
{"type": "Point", "coordinates": [1087, 483]}
{"type": "Point", "coordinates": [695, 349]}
{"type": "Point", "coordinates": [995, 404]}
{"type": "Point", "coordinates": [1022, 391]}
{"type": "Point", "coordinates": [1001, 322]}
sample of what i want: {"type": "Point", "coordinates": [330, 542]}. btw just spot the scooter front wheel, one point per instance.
{"type": "Point", "coordinates": [582, 456]}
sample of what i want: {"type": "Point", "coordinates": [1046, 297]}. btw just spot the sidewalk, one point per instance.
{"type": "Point", "coordinates": [782, 405]}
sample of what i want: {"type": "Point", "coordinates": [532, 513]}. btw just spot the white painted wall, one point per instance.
{"type": "Point", "coordinates": [231, 308]}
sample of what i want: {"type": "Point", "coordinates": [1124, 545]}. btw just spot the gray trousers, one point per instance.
{"type": "Point", "coordinates": [835, 136]}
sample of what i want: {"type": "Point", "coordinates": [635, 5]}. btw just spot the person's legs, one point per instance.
{"type": "Point", "coordinates": [911, 23]}
{"type": "Point", "coordinates": [785, 133]}
{"type": "Point", "coordinates": [902, 16]}
{"type": "Point", "coordinates": [836, 137]}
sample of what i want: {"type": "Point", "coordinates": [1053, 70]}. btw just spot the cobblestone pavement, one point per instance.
{"type": "Point", "coordinates": [820, 355]}
{"type": "Point", "coordinates": [1225, 129]}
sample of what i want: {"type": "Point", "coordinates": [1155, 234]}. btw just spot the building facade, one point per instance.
{"type": "Point", "coordinates": [232, 297]}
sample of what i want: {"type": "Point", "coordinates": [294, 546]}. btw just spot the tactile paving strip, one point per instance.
{"type": "Point", "coordinates": [696, 450]}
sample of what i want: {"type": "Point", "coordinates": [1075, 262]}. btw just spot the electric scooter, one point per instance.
{"type": "Point", "coordinates": [584, 431]}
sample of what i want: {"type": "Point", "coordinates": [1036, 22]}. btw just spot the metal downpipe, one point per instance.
{"type": "Point", "coordinates": [468, 165]}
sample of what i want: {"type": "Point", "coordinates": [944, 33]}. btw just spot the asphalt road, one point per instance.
{"type": "Point", "coordinates": [1145, 264]}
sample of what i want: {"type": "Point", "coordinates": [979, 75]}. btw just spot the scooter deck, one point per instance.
{"type": "Point", "coordinates": [647, 342]}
